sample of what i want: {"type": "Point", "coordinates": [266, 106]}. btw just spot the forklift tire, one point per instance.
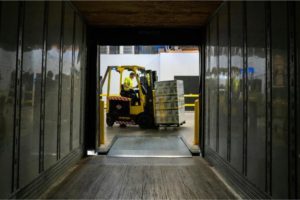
{"type": "Point", "coordinates": [145, 121]}
{"type": "Point", "coordinates": [110, 121]}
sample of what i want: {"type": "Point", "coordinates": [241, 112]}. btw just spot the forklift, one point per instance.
{"type": "Point", "coordinates": [123, 110]}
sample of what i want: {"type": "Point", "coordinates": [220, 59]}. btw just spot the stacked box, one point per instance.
{"type": "Point", "coordinates": [169, 102]}
{"type": "Point", "coordinates": [170, 116]}
{"type": "Point", "coordinates": [169, 98]}
{"type": "Point", "coordinates": [169, 105]}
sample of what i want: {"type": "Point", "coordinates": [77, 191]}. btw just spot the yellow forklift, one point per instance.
{"type": "Point", "coordinates": [122, 109]}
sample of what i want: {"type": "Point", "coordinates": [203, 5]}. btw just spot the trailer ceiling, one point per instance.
{"type": "Point", "coordinates": [167, 14]}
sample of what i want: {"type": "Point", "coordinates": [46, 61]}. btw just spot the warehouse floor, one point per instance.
{"type": "Point", "coordinates": [186, 132]}
{"type": "Point", "coordinates": [140, 178]}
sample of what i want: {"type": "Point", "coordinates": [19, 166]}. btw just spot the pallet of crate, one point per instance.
{"type": "Point", "coordinates": [169, 103]}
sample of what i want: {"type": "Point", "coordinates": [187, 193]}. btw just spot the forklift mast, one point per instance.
{"type": "Point", "coordinates": [151, 79]}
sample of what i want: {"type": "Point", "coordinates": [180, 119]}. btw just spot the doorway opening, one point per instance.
{"type": "Point", "coordinates": [166, 80]}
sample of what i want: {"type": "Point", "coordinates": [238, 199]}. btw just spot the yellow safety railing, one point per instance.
{"type": "Point", "coordinates": [190, 96]}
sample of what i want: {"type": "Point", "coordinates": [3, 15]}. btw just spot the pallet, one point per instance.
{"type": "Point", "coordinates": [171, 124]}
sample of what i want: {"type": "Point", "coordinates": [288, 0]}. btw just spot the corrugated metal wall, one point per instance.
{"type": "Point", "coordinates": [42, 64]}
{"type": "Point", "coordinates": [251, 97]}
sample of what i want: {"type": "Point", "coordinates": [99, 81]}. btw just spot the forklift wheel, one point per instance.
{"type": "Point", "coordinates": [145, 121]}
{"type": "Point", "coordinates": [109, 121]}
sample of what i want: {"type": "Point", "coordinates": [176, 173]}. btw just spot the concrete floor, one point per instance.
{"type": "Point", "coordinates": [186, 132]}
{"type": "Point", "coordinates": [102, 177]}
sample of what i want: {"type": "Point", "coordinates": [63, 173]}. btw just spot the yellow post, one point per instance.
{"type": "Point", "coordinates": [196, 124]}
{"type": "Point", "coordinates": [102, 133]}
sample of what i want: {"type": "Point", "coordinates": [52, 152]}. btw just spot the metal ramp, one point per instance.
{"type": "Point", "coordinates": [149, 146]}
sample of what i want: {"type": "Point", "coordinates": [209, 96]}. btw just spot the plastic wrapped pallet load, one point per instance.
{"type": "Point", "coordinates": [169, 102]}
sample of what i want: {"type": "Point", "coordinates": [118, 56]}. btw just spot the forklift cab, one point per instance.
{"type": "Point", "coordinates": [134, 107]}
{"type": "Point", "coordinates": [133, 94]}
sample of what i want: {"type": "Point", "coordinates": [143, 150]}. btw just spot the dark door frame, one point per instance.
{"type": "Point", "coordinates": [131, 36]}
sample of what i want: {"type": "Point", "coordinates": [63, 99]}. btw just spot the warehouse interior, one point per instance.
{"type": "Point", "coordinates": [50, 99]}
{"type": "Point", "coordinates": [169, 63]}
